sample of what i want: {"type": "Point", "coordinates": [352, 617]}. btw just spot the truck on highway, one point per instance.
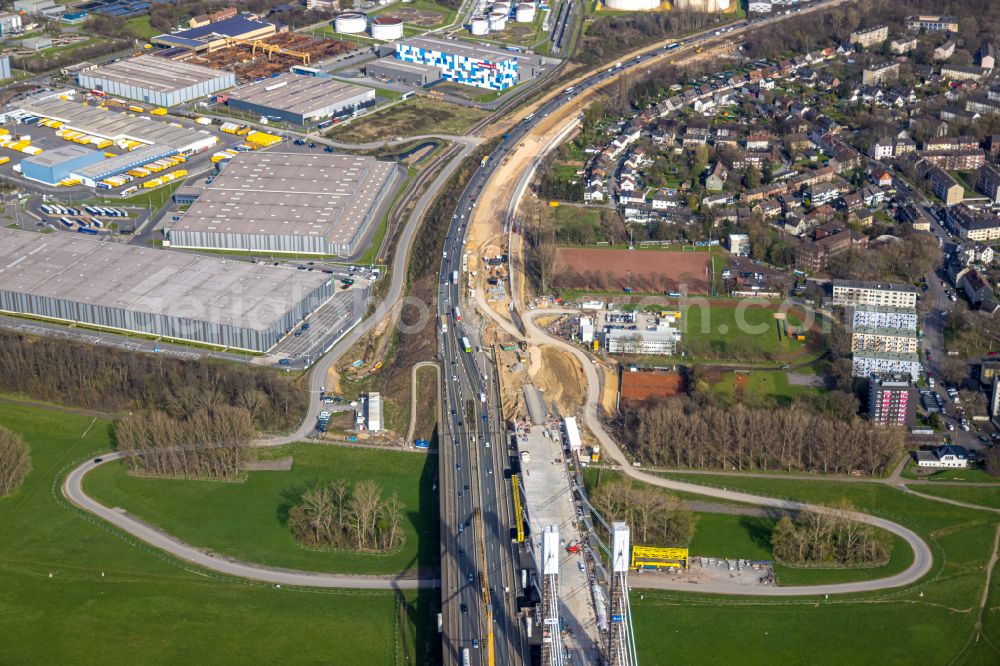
{"type": "Point", "coordinates": [482, 162]}
{"type": "Point", "coordinates": [466, 346]}
{"type": "Point", "coordinates": [454, 277]}
{"type": "Point", "coordinates": [458, 314]}
{"type": "Point", "coordinates": [466, 659]}
{"type": "Point", "coordinates": [444, 324]}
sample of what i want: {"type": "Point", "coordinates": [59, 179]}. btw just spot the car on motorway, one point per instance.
{"type": "Point", "coordinates": [464, 608]}
{"type": "Point", "coordinates": [475, 643]}
{"type": "Point", "coordinates": [471, 577]}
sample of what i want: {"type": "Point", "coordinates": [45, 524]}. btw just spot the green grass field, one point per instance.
{"type": "Point", "coordinates": [730, 332]}
{"type": "Point", "coordinates": [981, 495]}
{"type": "Point", "coordinates": [76, 591]}
{"type": "Point", "coordinates": [418, 115]}
{"type": "Point", "coordinates": [760, 385]}
{"type": "Point", "coordinates": [931, 622]}
{"type": "Point", "coordinates": [247, 520]}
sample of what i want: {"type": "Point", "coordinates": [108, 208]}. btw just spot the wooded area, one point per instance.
{"type": "Point", "coordinates": [15, 461]}
{"type": "Point", "coordinates": [682, 433]}
{"type": "Point", "coordinates": [210, 443]}
{"type": "Point", "coordinates": [657, 518]}
{"type": "Point", "coordinates": [339, 515]}
{"type": "Point", "coordinates": [609, 36]}
{"type": "Point", "coordinates": [828, 538]}
{"type": "Point", "coordinates": [78, 374]}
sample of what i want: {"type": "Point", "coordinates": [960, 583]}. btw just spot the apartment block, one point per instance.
{"type": "Point", "coordinates": [932, 23]}
{"type": "Point", "coordinates": [854, 293]}
{"type": "Point", "coordinates": [870, 36]}
{"type": "Point", "coordinates": [875, 316]}
{"type": "Point", "coordinates": [989, 182]}
{"type": "Point", "coordinates": [891, 400]}
{"type": "Point", "coordinates": [883, 339]}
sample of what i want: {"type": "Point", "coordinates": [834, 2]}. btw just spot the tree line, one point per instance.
{"type": "Point", "coordinates": [15, 461]}
{"type": "Point", "coordinates": [209, 443]}
{"type": "Point", "coordinates": [682, 433]}
{"type": "Point", "coordinates": [610, 36]}
{"type": "Point", "coordinates": [110, 379]}
{"type": "Point", "coordinates": [339, 515]}
{"type": "Point", "coordinates": [656, 518]}
{"type": "Point", "coordinates": [828, 537]}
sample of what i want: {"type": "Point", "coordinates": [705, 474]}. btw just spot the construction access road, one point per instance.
{"type": "Point", "coordinates": [923, 559]}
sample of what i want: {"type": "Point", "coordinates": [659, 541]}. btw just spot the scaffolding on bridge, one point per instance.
{"type": "Point", "coordinates": [552, 647]}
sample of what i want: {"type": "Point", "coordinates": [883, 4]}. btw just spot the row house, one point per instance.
{"type": "Point", "coordinates": [944, 144]}
{"type": "Point", "coordinates": [957, 160]}
{"type": "Point", "coordinates": [960, 73]}
{"type": "Point", "coordinates": [973, 226]}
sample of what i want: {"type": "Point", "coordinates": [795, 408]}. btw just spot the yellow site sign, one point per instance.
{"type": "Point", "coordinates": [646, 557]}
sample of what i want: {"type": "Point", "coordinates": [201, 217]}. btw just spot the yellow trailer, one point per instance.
{"type": "Point", "coordinates": [159, 112]}
{"type": "Point", "coordinates": [137, 109]}
{"type": "Point", "coordinates": [4, 160]}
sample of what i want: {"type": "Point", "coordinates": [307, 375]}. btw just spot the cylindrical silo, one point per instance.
{"type": "Point", "coordinates": [524, 13]}
{"type": "Point", "coordinates": [632, 5]}
{"type": "Point", "coordinates": [480, 25]}
{"type": "Point", "coordinates": [387, 28]}
{"type": "Point", "coordinates": [350, 22]}
{"type": "Point", "coordinates": [498, 21]}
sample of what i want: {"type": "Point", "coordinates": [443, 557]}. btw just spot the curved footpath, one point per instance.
{"type": "Point", "coordinates": [72, 489]}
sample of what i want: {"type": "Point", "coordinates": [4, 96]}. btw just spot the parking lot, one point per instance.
{"type": "Point", "coordinates": [328, 324]}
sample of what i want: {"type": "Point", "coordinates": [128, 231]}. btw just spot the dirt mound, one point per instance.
{"type": "Point", "coordinates": [560, 379]}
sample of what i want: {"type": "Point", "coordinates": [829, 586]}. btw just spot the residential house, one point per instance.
{"type": "Point", "coordinates": [902, 45]}
{"type": "Point", "coordinates": [976, 288]}
{"type": "Point", "coordinates": [717, 177]}
{"type": "Point", "coordinates": [664, 200]}
{"type": "Point", "coordinates": [945, 51]}
{"type": "Point", "coordinates": [882, 177]}
{"type": "Point", "coordinates": [986, 56]}
{"type": "Point", "coordinates": [947, 455]}
{"type": "Point", "coordinates": [758, 140]}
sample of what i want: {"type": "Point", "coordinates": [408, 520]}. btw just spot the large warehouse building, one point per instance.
{"type": "Point", "coordinates": [58, 164]}
{"type": "Point", "coordinates": [119, 127]}
{"type": "Point", "coordinates": [156, 292]}
{"type": "Point", "coordinates": [472, 64]}
{"type": "Point", "coordinates": [303, 203]}
{"type": "Point", "coordinates": [216, 35]}
{"type": "Point", "coordinates": [158, 81]}
{"type": "Point", "coordinates": [300, 99]}
{"type": "Point", "coordinates": [399, 71]}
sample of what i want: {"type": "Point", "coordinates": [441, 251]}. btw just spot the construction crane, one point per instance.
{"type": "Point", "coordinates": [484, 582]}
{"type": "Point", "coordinates": [270, 49]}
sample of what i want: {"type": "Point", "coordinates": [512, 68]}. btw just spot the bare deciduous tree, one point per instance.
{"type": "Point", "coordinates": [15, 461]}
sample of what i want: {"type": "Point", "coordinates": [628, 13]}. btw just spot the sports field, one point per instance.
{"type": "Point", "coordinates": [748, 330]}
{"type": "Point", "coordinates": [73, 591]}
{"type": "Point", "coordinates": [647, 271]}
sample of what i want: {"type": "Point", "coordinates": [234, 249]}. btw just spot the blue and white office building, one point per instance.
{"type": "Point", "coordinates": [470, 64]}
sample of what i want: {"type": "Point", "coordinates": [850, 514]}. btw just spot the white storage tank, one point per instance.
{"type": "Point", "coordinates": [633, 5]}
{"type": "Point", "coordinates": [524, 13]}
{"type": "Point", "coordinates": [480, 25]}
{"type": "Point", "coordinates": [498, 21]}
{"type": "Point", "coordinates": [502, 7]}
{"type": "Point", "coordinates": [352, 23]}
{"type": "Point", "coordinates": [387, 28]}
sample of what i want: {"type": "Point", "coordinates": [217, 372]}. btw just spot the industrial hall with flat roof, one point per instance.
{"type": "Point", "coordinates": [301, 203]}
{"type": "Point", "coordinates": [234, 304]}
